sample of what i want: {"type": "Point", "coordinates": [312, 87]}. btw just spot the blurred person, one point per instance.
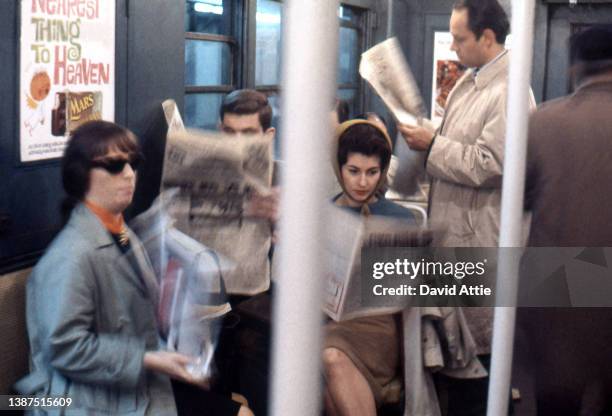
{"type": "Point", "coordinates": [340, 112]}
{"type": "Point", "coordinates": [567, 191]}
{"type": "Point", "coordinates": [361, 356]}
{"type": "Point", "coordinates": [91, 299]}
{"type": "Point", "coordinates": [465, 162]}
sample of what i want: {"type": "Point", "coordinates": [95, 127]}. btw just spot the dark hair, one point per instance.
{"type": "Point", "coordinates": [485, 14]}
{"type": "Point", "coordinates": [591, 51]}
{"type": "Point", "coordinates": [90, 141]}
{"type": "Point", "coordinates": [365, 139]}
{"type": "Point", "coordinates": [245, 102]}
{"type": "Point", "coordinates": [342, 110]}
{"type": "Point", "coordinates": [367, 114]}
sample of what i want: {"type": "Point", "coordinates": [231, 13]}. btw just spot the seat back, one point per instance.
{"type": "Point", "coordinates": [14, 348]}
{"type": "Point", "coordinates": [418, 210]}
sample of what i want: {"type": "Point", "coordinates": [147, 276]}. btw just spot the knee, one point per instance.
{"type": "Point", "coordinates": [245, 411]}
{"type": "Point", "coordinates": [335, 360]}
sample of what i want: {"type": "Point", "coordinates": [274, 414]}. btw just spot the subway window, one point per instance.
{"type": "Point", "coordinates": [210, 59]}
{"type": "Point", "coordinates": [216, 61]}
{"type": "Point", "coordinates": [351, 45]}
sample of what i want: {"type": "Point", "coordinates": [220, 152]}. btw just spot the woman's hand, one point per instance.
{"type": "Point", "coordinates": [174, 365]}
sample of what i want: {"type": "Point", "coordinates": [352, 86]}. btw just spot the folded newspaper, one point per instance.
{"type": "Point", "coordinates": [215, 175]}
{"type": "Point", "coordinates": [346, 235]}
{"type": "Point", "coordinates": [387, 71]}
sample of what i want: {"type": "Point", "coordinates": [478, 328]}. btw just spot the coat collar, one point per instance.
{"type": "Point", "coordinates": [94, 231]}
{"type": "Point", "coordinates": [83, 219]}
{"type": "Point", "coordinates": [596, 81]}
{"type": "Point", "coordinates": [491, 70]}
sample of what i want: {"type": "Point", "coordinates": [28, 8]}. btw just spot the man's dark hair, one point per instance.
{"type": "Point", "coordinates": [90, 141]}
{"type": "Point", "coordinates": [245, 102]}
{"type": "Point", "coordinates": [591, 51]}
{"type": "Point", "coordinates": [485, 14]}
{"type": "Point", "coordinates": [365, 139]}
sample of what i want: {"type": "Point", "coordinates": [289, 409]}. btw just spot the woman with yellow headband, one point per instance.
{"type": "Point", "coordinates": [361, 356]}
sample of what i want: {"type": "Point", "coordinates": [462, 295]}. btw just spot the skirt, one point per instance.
{"type": "Point", "coordinates": [373, 345]}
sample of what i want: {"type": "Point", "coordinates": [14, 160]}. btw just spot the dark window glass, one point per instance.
{"type": "Point", "coordinates": [350, 15]}
{"type": "Point", "coordinates": [350, 96]}
{"type": "Point", "coordinates": [268, 43]}
{"type": "Point", "coordinates": [207, 63]}
{"type": "Point", "coordinates": [202, 110]}
{"type": "Point", "coordinates": [208, 16]}
{"type": "Point", "coordinates": [348, 56]}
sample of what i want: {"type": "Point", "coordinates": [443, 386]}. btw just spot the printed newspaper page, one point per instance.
{"type": "Point", "coordinates": [386, 69]}
{"type": "Point", "coordinates": [341, 248]}
{"type": "Point", "coordinates": [173, 116]}
{"type": "Point", "coordinates": [215, 175]}
{"type": "Point", "coordinates": [343, 244]}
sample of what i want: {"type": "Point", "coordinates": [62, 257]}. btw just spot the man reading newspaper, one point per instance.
{"type": "Point", "coordinates": [464, 159]}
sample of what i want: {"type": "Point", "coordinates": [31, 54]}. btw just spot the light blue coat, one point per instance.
{"type": "Point", "coordinates": [90, 318]}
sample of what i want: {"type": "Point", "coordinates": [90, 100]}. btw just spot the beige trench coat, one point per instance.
{"type": "Point", "coordinates": [465, 164]}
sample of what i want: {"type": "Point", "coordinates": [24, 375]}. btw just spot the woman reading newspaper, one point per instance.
{"type": "Point", "coordinates": [362, 356]}
{"type": "Point", "coordinates": [91, 298]}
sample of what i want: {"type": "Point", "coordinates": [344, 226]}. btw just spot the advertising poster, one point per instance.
{"type": "Point", "coordinates": [67, 71]}
{"type": "Point", "coordinates": [446, 71]}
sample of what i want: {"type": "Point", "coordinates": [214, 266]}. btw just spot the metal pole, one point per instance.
{"type": "Point", "coordinates": [389, 18]}
{"type": "Point", "coordinates": [512, 203]}
{"type": "Point", "coordinates": [310, 42]}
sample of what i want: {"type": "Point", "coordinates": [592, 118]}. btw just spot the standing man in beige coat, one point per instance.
{"type": "Point", "coordinates": [465, 163]}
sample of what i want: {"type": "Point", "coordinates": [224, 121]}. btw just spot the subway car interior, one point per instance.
{"type": "Point", "coordinates": [173, 216]}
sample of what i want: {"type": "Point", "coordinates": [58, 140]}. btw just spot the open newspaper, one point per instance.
{"type": "Point", "coordinates": [346, 235]}
{"type": "Point", "coordinates": [215, 175]}
{"type": "Point", "coordinates": [386, 70]}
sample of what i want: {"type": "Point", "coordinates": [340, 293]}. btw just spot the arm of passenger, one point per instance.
{"type": "Point", "coordinates": [477, 165]}
{"type": "Point", "coordinates": [77, 350]}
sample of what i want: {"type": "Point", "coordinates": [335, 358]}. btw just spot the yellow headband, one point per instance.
{"type": "Point", "coordinates": [349, 123]}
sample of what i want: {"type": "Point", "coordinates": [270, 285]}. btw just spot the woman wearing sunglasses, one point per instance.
{"type": "Point", "coordinates": [91, 298]}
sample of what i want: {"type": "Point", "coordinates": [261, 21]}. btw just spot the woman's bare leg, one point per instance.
{"type": "Point", "coordinates": [347, 389]}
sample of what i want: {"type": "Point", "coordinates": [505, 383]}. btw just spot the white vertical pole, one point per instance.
{"type": "Point", "coordinates": [512, 203]}
{"type": "Point", "coordinates": [389, 18]}
{"type": "Point", "coordinates": [310, 42]}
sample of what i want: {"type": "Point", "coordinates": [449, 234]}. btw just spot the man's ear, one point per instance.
{"type": "Point", "coordinates": [270, 132]}
{"type": "Point", "coordinates": [489, 37]}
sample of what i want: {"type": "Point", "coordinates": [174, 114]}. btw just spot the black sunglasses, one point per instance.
{"type": "Point", "coordinates": [115, 166]}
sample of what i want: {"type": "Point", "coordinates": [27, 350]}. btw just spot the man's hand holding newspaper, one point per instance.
{"type": "Point", "coordinates": [417, 137]}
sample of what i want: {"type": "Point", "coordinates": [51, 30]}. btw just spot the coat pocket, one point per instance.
{"type": "Point", "coordinates": [107, 399]}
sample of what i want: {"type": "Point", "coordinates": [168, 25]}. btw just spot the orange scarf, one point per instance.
{"type": "Point", "coordinates": [113, 223]}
